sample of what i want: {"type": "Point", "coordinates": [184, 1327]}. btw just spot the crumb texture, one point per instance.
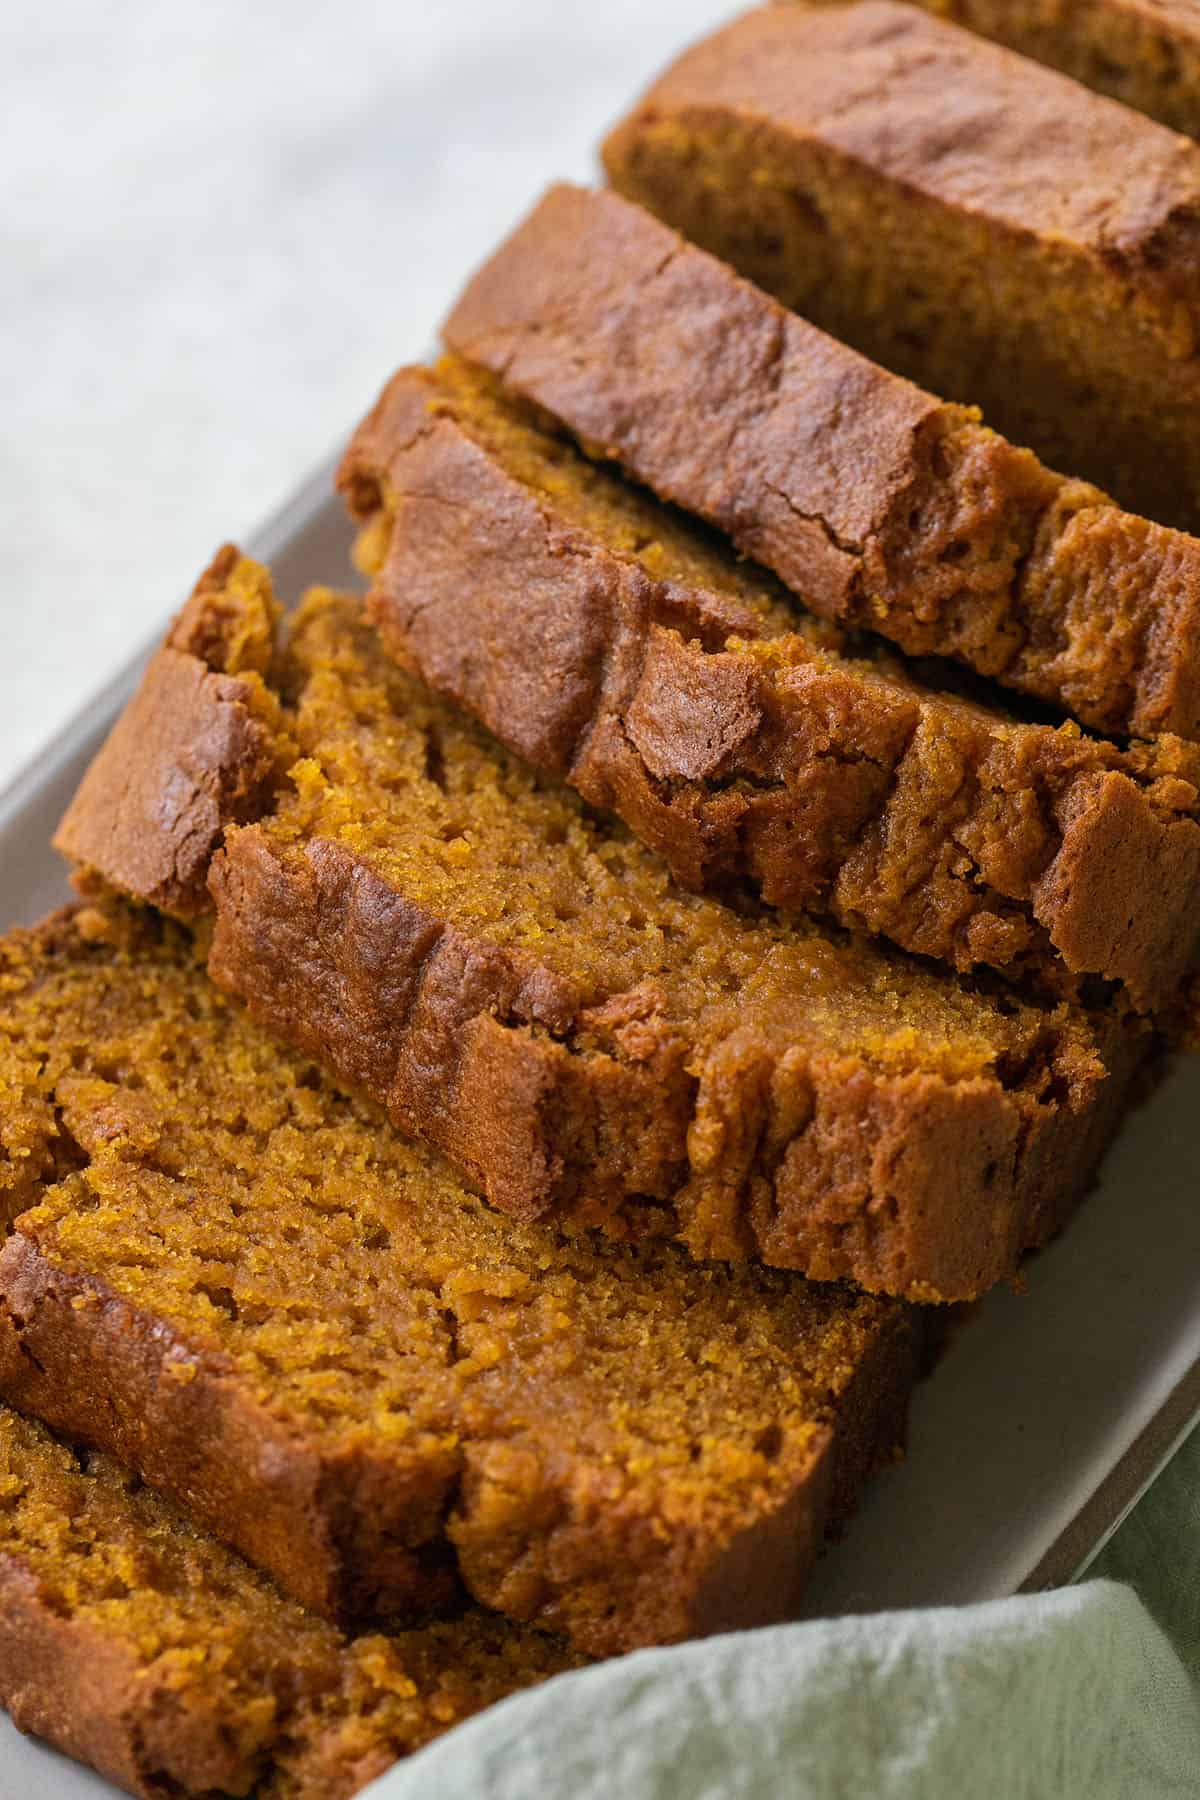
{"type": "Point", "coordinates": [202, 743]}
{"type": "Point", "coordinates": [608, 642]}
{"type": "Point", "coordinates": [881, 507]}
{"type": "Point", "coordinates": [249, 1287]}
{"type": "Point", "coordinates": [137, 1643]}
{"type": "Point", "coordinates": [964, 216]}
{"type": "Point", "coordinates": [521, 983]}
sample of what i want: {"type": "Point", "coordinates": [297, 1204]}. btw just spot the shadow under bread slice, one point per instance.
{"type": "Point", "coordinates": [252, 1290]}
{"type": "Point", "coordinates": [136, 1643]}
{"type": "Point", "coordinates": [522, 984]}
{"type": "Point", "coordinates": [969, 218]}
{"type": "Point", "coordinates": [612, 642]}
{"type": "Point", "coordinates": [880, 505]}
{"type": "Point", "coordinates": [1145, 53]}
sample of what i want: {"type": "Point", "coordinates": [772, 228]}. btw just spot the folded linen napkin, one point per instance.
{"type": "Point", "coordinates": [1072, 1695]}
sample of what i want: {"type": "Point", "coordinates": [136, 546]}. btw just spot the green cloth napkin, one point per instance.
{"type": "Point", "coordinates": [1083, 1694]}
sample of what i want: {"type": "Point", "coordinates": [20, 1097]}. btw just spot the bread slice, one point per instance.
{"type": "Point", "coordinates": [521, 984]}
{"type": "Point", "coordinates": [135, 1642]}
{"type": "Point", "coordinates": [1144, 52]}
{"type": "Point", "coordinates": [250, 1289]}
{"type": "Point", "coordinates": [973, 220]}
{"type": "Point", "coordinates": [611, 643]}
{"type": "Point", "coordinates": [879, 505]}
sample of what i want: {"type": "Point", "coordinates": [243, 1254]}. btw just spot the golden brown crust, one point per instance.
{"type": "Point", "coordinates": [65, 1683]}
{"type": "Point", "coordinates": [967, 217]}
{"type": "Point", "coordinates": [185, 756]}
{"type": "Point", "coordinates": [198, 746]}
{"type": "Point", "coordinates": [833, 784]}
{"type": "Point", "coordinates": [877, 504]}
{"type": "Point", "coordinates": [1128, 179]}
{"type": "Point", "coordinates": [1143, 52]}
{"type": "Point", "coordinates": [726, 404]}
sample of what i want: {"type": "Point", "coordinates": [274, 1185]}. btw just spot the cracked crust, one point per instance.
{"type": "Point", "coordinates": [135, 1643]}
{"type": "Point", "coordinates": [967, 218]}
{"type": "Point", "coordinates": [880, 506]}
{"type": "Point", "coordinates": [250, 1289]}
{"type": "Point", "coordinates": [525, 987]}
{"type": "Point", "coordinates": [199, 745]}
{"type": "Point", "coordinates": [743, 1145]}
{"type": "Point", "coordinates": [588, 630]}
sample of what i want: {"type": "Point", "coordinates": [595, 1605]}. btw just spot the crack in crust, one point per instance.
{"type": "Point", "coordinates": [744, 750]}
{"type": "Point", "coordinates": [879, 505]}
{"type": "Point", "coordinates": [285, 1315]}
{"type": "Point", "coordinates": [139, 1645]}
{"type": "Point", "coordinates": [605, 1050]}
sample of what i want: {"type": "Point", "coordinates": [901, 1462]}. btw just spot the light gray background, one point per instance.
{"type": "Point", "coordinates": [221, 226]}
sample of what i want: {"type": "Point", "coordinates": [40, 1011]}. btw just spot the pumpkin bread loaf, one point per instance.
{"type": "Point", "coordinates": [253, 1291]}
{"type": "Point", "coordinates": [970, 219]}
{"type": "Point", "coordinates": [1144, 52]}
{"type": "Point", "coordinates": [521, 984]}
{"type": "Point", "coordinates": [611, 643]}
{"type": "Point", "coordinates": [135, 1642]}
{"type": "Point", "coordinates": [879, 505]}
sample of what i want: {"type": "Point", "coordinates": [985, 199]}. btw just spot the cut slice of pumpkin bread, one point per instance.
{"type": "Point", "coordinates": [609, 642]}
{"type": "Point", "coordinates": [136, 1643]}
{"type": "Point", "coordinates": [522, 984]}
{"type": "Point", "coordinates": [878, 504]}
{"type": "Point", "coordinates": [253, 1291]}
{"type": "Point", "coordinates": [1144, 52]}
{"type": "Point", "coordinates": [972, 220]}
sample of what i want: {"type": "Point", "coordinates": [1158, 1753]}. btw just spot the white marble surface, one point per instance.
{"type": "Point", "coordinates": [221, 225]}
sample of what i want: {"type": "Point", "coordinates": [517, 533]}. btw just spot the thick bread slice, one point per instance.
{"type": "Point", "coordinates": [133, 1641]}
{"type": "Point", "coordinates": [970, 219]}
{"type": "Point", "coordinates": [879, 505]}
{"type": "Point", "coordinates": [611, 643]}
{"type": "Point", "coordinates": [522, 984]}
{"type": "Point", "coordinates": [252, 1290]}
